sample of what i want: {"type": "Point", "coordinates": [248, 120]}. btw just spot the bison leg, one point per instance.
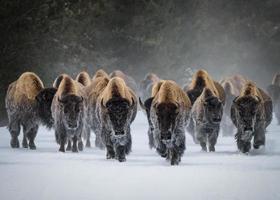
{"type": "Point", "coordinates": [129, 143]}
{"type": "Point", "coordinates": [80, 145]}
{"type": "Point", "coordinates": [74, 146]}
{"type": "Point", "coordinates": [202, 141]}
{"type": "Point", "coordinates": [259, 138]}
{"type": "Point", "coordinates": [212, 139]}
{"type": "Point", "coordinates": [88, 134]}
{"type": "Point", "coordinates": [151, 138]}
{"type": "Point", "coordinates": [110, 152]}
{"type": "Point", "coordinates": [120, 153]}
{"type": "Point", "coordinates": [162, 150]}
{"type": "Point", "coordinates": [14, 128]}
{"type": "Point", "coordinates": [69, 144]}
{"type": "Point", "coordinates": [244, 146]}
{"type": "Point", "coordinates": [62, 139]}
{"type": "Point", "coordinates": [24, 140]}
{"type": "Point", "coordinates": [31, 134]}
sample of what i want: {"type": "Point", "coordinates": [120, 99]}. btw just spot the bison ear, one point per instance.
{"type": "Point", "coordinates": [234, 102]}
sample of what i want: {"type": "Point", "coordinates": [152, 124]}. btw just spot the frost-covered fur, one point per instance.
{"type": "Point", "coordinates": [169, 114]}
{"type": "Point", "coordinates": [206, 116]}
{"type": "Point", "coordinates": [251, 113]}
{"type": "Point", "coordinates": [274, 91]}
{"type": "Point", "coordinates": [116, 109]}
{"type": "Point", "coordinates": [99, 82]}
{"type": "Point", "coordinates": [68, 111]}
{"type": "Point", "coordinates": [232, 86]}
{"type": "Point", "coordinates": [22, 109]}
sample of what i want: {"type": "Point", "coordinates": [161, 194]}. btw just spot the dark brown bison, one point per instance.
{"type": "Point", "coordinates": [129, 81]}
{"type": "Point", "coordinates": [169, 109]}
{"type": "Point", "coordinates": [200, 80]}
{"type": "Point", "coordinates": [274, 91]}
{"type": "Point", "coordinates": [23, 109]}
{"type": "Point", "coordinates": [68, 111]}
{"type": "Point", "coordinates": [99, 82]}
{"type": "Point", "coordinates": [232, 86]}
{"type": "Point", "coordinates": [147, 84]}
{"type": "Point", "coordinates": [206, 115]}
{"type": "Point", "coordinates": [251, 113]}
{"type": "Point", "coordinates": [116, 109]}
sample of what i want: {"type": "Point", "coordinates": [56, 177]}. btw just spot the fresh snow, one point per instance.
{"type": "Point", "coordinates": [226, 174]}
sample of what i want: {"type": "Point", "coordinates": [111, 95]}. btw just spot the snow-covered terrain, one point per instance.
{"type": "Point", "coordinates": [226, 174]}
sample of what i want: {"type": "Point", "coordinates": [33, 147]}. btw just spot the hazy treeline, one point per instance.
{"type": "Point", "coordinates": [54, 36]}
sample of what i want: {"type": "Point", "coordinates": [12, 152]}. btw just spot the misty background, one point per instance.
{"type": "Point", "coordinates": [224, 37]}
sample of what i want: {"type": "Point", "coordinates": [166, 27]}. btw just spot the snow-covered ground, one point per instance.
{"type": "Point", "coordinates": [48, 174]}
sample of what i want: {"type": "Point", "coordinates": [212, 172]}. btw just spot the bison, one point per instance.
{"type": "Point", "coordinates": [169, 109]}
{"type": "Point", "coordinates": [206, 116]}
{"type": "Point", "coordinates": [251, 113]}
{"type": "Point", "coordinates": [99, 82]}
{"type": "Point", "coordinates": [200, 81]}
{"type": "Point", "coordinates": [68, 111]}
{"type": "Point", "coordinates": [232, 86]}
{"type": "Point", "coordinates": [274, 91]}
{"type": "Point", "coordinates": [27, 104]}
{"type": "Point", "coordinates": [147, 84]}
{"type": "Point", "coordinates": [116, 109]}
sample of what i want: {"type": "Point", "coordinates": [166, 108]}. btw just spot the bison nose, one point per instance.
{"type": "Point", "coordinates": [72, 125]}
{"type": "Point", "coordinates": [217, 119]}
{"type": "Point", "coordinates": [166, 135]}
{"type": "Point", "coordinates": [119, 133]}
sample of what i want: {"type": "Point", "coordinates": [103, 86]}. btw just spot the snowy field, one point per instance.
{"type": "Point", "coordinates": [226, 174]}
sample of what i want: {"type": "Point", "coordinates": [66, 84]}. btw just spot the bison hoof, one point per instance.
{"type": "Point", "coordinates": [122, 159]}
{"type": "Point", "coordinates": [32, 146]}
{"type": "Point", "coordinates": [80, 146]}
{"type": "Point", "coordinates": [24, 144]}
{"type": "Point", "coordinates": [175, 162]}
{"type": "Point", "coordinates": [61, 149]}
{"type": "Point", "coordinates": [14, 143]}
{"type": "Point", "coordinates": [88, 144]}
{"type": "Point", "coordinates": [212, 149]}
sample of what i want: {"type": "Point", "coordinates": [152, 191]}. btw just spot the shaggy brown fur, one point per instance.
{"type": "Point", "coordinates": [58, 80]}
{"type": "Point", "coordinates": [200, 80]}
{"type": "Point", "coordinates": [100, 73]}
{"type": "Point", "coordinates": [169, 92]}
{"type": "Point", "coordinates": [83, 78]}
{"type": "Point", "coordinates": [22, 108]}
{"type": "Point", "coordinates": [117, 87]}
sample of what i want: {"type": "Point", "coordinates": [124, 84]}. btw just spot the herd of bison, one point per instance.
{"type": "Point", "coordinates": [107, 104]}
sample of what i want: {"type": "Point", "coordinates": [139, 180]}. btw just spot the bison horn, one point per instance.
{"type": "Point", "coordinates": [141, 104]}
{"type": "Point", "coordinates": [61, 101]}
{"type": "Point", "coordinates": [102, 105]}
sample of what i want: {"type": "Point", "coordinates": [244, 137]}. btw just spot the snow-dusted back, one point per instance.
{"type": "Point", "coordinates": [223, 175]}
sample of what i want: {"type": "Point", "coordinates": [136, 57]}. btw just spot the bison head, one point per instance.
{"type": "Point", "coordinates": [44, 100]}
{"type": "Point", "coordinates": [72, 109]}
{"type": "Point", "coordinates": [166, 115]}
{"type": "Point", "coordinates": [213, 110]}
{"type": "Point", "coordinates": [118, 110]}
{"type": "Point", "coordinates": [246, 109]}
